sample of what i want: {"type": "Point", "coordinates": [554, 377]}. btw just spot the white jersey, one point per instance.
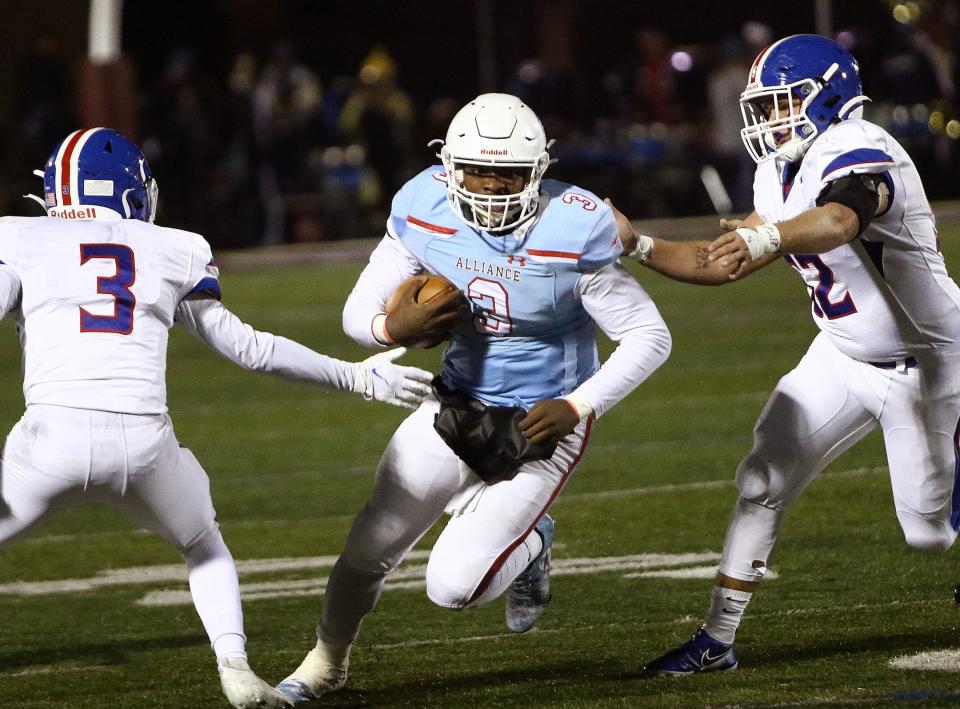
{"type": "Point", "coordinates": [93, 301]}
{"type": "Point", "coordinates": [886, 295]}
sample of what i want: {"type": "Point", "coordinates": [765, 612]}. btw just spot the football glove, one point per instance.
{"type": "Point", "coordinates": [379, 379]}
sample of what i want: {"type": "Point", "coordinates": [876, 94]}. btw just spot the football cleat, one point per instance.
{"type": "Point", "coordinates": [322, 671]}
{"type": "Point", "coordinates": [701, 653]}
{"type": "Point", "coordinates": [529, 593]}
{"type": "Point", "coordinates": [244, 690]}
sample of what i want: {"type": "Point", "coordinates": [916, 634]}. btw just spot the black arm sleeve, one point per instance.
{"type": "Point", "coordinates": [861, 193]}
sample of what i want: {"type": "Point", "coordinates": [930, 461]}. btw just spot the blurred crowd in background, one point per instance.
{"type": "Point", "coordinates": [274, 151]}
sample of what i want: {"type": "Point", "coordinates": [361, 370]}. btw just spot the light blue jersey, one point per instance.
{"type": "Point", "coordinates": [530, 338]}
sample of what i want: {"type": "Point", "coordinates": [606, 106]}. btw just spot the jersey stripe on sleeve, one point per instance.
{"type": "Point", "coordinates": [857, 158]}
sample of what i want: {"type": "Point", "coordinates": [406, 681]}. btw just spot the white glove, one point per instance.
{"type": "Point", "coordinates": [761, 239]}
{"type": "Point", "coordinates": [378, 378]}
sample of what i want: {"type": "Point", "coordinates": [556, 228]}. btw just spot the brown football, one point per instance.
{"type": "Point", "coordinates": [435, 287]}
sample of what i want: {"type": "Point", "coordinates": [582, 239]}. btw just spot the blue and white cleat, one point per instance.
{"type": "Point", "coordinates": [529, 593]}
{"type": "Point", "coordinates": [322, 671]}
{"type": "Point", "coordinates": [701, 653]}
{"type": "Point", "coordinates": [296, 692]}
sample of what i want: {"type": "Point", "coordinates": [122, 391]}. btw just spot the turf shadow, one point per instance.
{"type": "Point", "coordinates": [435, 692]}
{"type": "Point", "coordinates": [112, 653]}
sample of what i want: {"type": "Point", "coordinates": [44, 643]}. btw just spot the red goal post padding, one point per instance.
{"type": "Point", "coordinates": [107, 96]}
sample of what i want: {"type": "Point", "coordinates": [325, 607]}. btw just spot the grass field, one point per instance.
{"type": "Point", "coordinates": [290, 465]}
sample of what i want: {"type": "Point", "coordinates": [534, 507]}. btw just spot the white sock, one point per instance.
{"type": "Point", "coordinates": [229, 647]}
{"type": "Point", "coordinates": [216, 594]}
{"type": "Point", "coordinates": [725, 613]}
{"type": "Point", "coordinates": [511, 568]}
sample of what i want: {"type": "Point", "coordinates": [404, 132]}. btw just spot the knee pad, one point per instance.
{"type": "Point", "coordinates": [449, 587]}
{"type": "Point", "coordinates": [753, 479]}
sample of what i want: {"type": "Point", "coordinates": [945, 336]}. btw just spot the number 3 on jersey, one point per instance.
{"type": "Point", "coordinates": [494, 303]}
{"type": "Point", "coordinates": [117, 285]}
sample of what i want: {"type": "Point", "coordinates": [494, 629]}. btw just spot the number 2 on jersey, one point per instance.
{"type": "Point", "coordinates": [493, 298]}
{"type": "Point", "coordinates": [117, 285]}
{"type": "Point", "coordinates": [822, 305]}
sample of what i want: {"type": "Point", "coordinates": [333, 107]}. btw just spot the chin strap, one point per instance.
{"type": "Point", "coordinates": [38, 200]}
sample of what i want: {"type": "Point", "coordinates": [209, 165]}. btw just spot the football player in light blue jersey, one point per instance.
{"type": "Point", "coordinates": [841, 202]}
{"type": "Point", "coordinates": [535, 265]}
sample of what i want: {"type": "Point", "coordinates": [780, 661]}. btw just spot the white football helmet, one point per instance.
{"type": "Point", "coordinates": [497, 130]}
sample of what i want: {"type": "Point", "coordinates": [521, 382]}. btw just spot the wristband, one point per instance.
{"type": "Point", "coordinates": [379, 329]}
{"type": "Point", "coordinates": [579, 405]}
{"type": "Point", "coordinates": [641, 252]}
{"type": "Point", "coordinates": [761, 239]}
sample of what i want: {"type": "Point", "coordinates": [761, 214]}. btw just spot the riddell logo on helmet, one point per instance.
{"type": "Point", "coordinates": [81, 213]}
{"type": "Point", "coordinates": [484, 151]}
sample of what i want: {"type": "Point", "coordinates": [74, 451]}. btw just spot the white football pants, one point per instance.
{"type": "Point", "coordinates": [821, 409]}
{"type": "Point", "coordinates": [56, 458]}
{"type": "Point", "coordinates": [487, 542]}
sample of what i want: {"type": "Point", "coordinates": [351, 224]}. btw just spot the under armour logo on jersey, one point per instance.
{"type": "Point", "coordinates": [521, 261]}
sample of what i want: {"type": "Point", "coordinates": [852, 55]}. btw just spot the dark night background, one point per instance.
{"type": "Point", "coordinates": [306, 171]}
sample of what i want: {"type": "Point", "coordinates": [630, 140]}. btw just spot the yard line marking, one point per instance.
{"type": "Point", "coordinates": [824, 610]}
{"type": "Point", "coordinates": [694, 572]}
{"type": "Point", "coordinates": [469, 639]}
{"type": "Point", "coordinates": [939, 660]}
{"type": "Point", "coordinates": [50, 669]}
{"type": "Point", "coordinates": [412, 576]}
{"type": "Point", "coordinates": [704, 485]}
{"type": "Point", "coordinates": [161, 573]}
{"type": "Point", "coordinates": [60, 538]}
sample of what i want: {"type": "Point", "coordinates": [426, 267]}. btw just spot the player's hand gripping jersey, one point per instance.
{"type": "Point", "coordinates": [534, 294]}
{"type": "Point", "coordinates": [886, 294]}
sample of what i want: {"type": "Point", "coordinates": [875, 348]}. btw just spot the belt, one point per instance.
{"type": "Point", "coordinates": [900, 364]}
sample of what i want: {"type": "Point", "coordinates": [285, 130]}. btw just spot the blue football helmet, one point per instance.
{"type": "Point", "coordinates": [797, 88]}
{"type": "Point", "coordinates": [96, 173]}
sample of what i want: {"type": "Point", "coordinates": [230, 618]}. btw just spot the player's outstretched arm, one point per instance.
{"type": "Point", "coordinates": [747, 246]}
{"type": "Point", "coordinates": [686, 261]}
{"type": "Point", "coordinates": [376, 378]}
